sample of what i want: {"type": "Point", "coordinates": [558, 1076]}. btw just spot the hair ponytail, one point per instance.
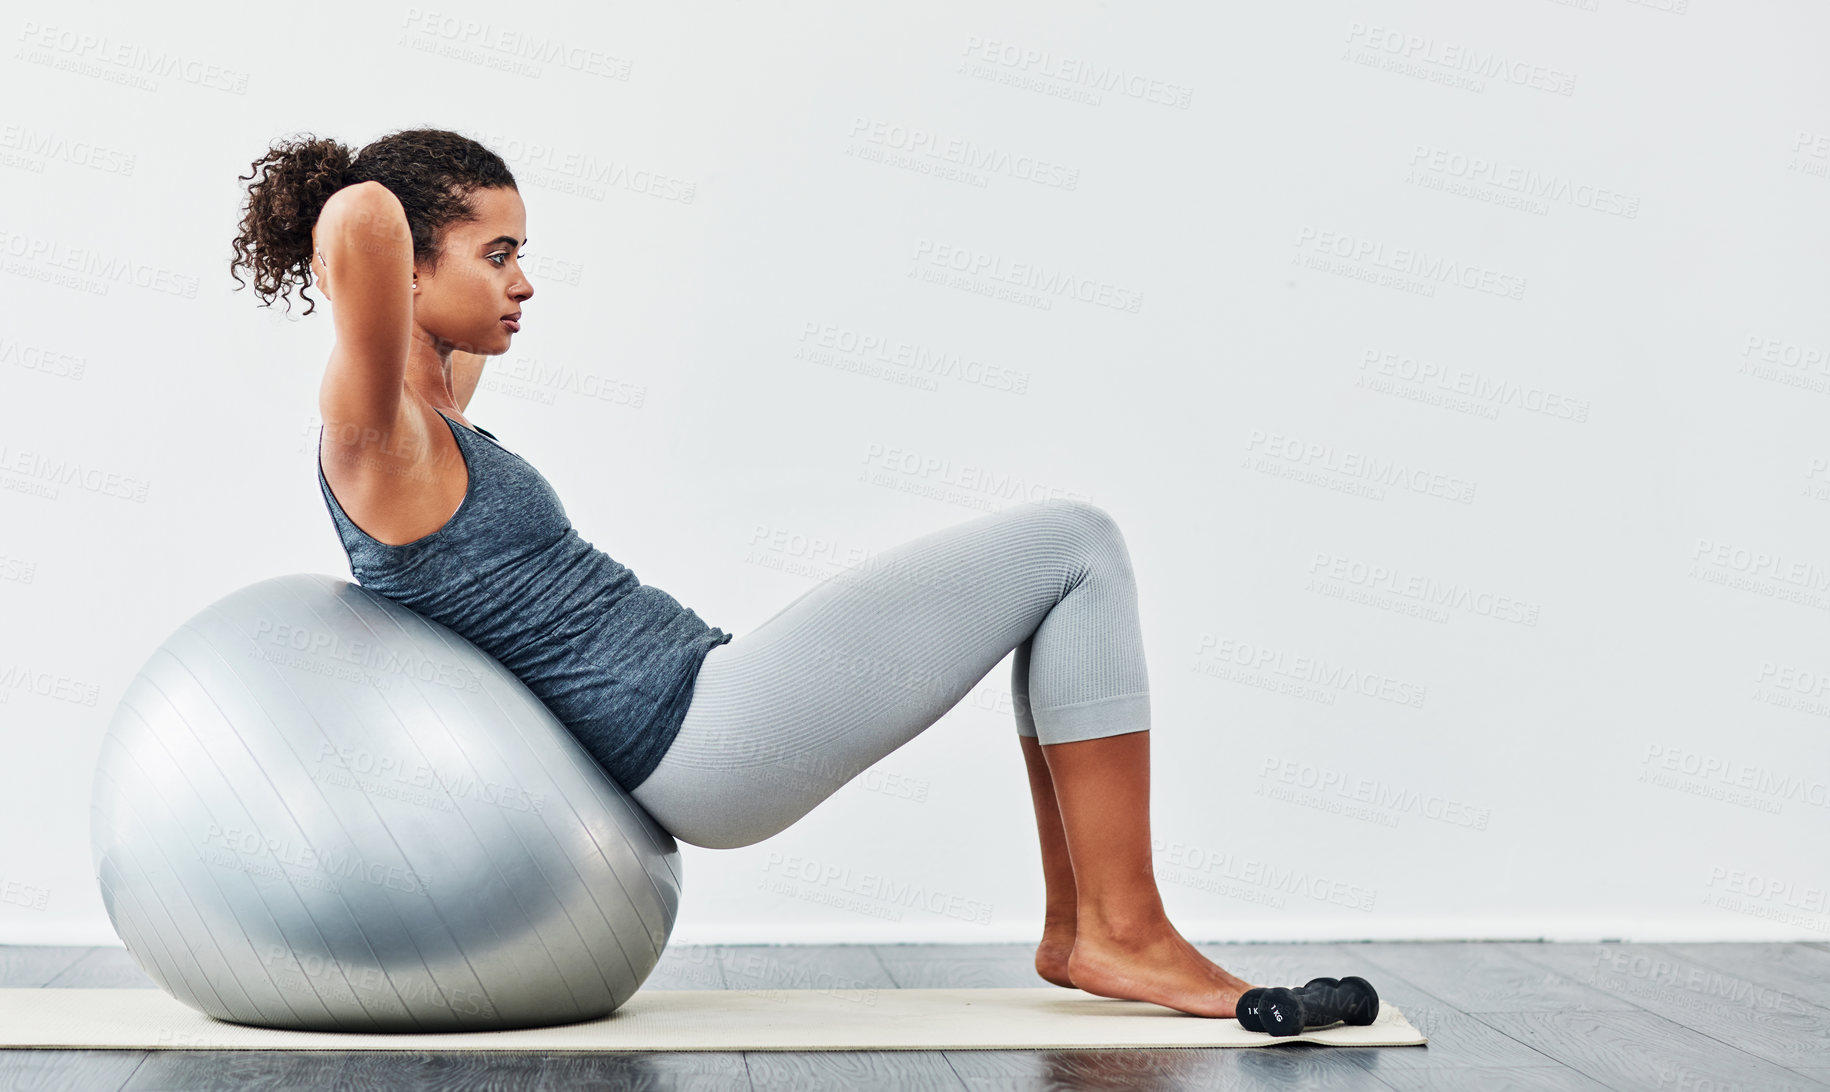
{"type": "Point", "coordinates": [293, 182]}
{"type": "Point", "coordinates": [432, 171]}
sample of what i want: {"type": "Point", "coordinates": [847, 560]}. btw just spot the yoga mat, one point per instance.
{"type": "Point", "coordinates": [779, 1019]}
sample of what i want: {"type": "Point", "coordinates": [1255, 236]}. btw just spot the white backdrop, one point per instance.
{"type": "Point", "coordinates": [1457, 373]}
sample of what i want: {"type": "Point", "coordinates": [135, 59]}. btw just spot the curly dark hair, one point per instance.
{"type": "Point", "coordinates": [433, 172]}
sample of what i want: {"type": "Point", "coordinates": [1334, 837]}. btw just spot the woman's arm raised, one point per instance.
{"type": "Point", "coordinates": [364, 262]}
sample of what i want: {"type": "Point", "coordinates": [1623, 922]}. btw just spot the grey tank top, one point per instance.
{"type": "Point", "coordinates": [613, 658]}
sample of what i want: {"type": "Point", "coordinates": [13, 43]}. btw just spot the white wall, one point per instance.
{"type": "Point", "coordinates": [1456, 372]}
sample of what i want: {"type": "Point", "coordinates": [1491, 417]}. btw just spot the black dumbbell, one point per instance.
{"type": "Point", "coordinates": [1284, 1012]}
{"type": "Point", "coordinates": [1246, 1009]}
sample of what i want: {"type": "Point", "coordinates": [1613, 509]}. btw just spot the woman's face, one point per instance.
{"type": "Point", "coordinates": [479, 279]}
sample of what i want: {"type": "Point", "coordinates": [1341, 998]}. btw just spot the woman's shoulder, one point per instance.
{"type": "Point", "coordinates": [400, 483]}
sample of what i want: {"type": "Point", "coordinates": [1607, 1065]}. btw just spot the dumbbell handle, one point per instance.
{"type": "Point", "coordinates": [1289, 1012]}
{"type": "Point", "coordinates": [1351, 1000]}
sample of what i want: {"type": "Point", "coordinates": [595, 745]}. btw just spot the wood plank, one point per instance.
{"type": "Point", "coordinates": [399, 1071]}
{"type": "Point", "coordinates": [1458, 1040]}
{"type": "Point", "coordinates": [688, 967]}
{"type": "Point", "coordinates": [1543, 1016]}
{"type": "Point", "coordinates": [933, 972]}
{"type": "Point", "coordinates": [1743, 1016]}
{"type": "Point", "coordinates": [235, 1070]}
{"type": "Point", "coordinates": [1288, 964]}
{"type": "Point", "coordinates": [71, 1070]}
{"type": "Point", "coordinates": [1519, 1079]}
{"type": "Point", "coordinates": [963, 966]}
{"type": "Point", "coordinates": [1485, 977]}
{"type": "Point", "coordinates": [103, 968]}
{"type": "Point", "coordinates": [1798, 969]}
{"type": "Point", "coordinates": [961, 951]}
{"type": "Point", "coordinates": [1644, 1052]}
{"type": "Point", "coordinates": [1300, 1066]}
{"type": "Point", "coordinates": [846, 1070]}
{"type": "Point", "coordinates": [23, 966]}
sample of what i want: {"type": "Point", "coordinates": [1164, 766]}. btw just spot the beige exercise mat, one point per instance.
{"type": "Point", "coordinates": [888, 1019]}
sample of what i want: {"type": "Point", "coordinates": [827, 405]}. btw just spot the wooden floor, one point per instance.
{"type": "Point", "coordinates": [1545, 1017]}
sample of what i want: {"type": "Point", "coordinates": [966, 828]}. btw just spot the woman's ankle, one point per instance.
{"type": "Point", "coordinates": [1126, 925]}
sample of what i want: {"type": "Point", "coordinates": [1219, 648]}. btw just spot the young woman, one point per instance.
{"type": "Point", "coordinates": [416, 239]}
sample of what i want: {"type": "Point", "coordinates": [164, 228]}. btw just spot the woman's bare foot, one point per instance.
{"type": "Point", "coordinates": [1052, 953]}
{"type": "Point", "coordinates": [1152, 964]}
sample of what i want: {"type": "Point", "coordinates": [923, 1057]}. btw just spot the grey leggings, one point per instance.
{"type": "Point", "coordinates": [782, 716]}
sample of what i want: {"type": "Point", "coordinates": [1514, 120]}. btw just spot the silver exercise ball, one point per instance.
{"type": "Point", "coordinates": [317, 809]}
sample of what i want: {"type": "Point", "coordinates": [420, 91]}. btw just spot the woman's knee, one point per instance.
{"type": "Point", "coordinates": [1093, 526]}
{"type": "Point", "coordinates": [1084, 515]}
